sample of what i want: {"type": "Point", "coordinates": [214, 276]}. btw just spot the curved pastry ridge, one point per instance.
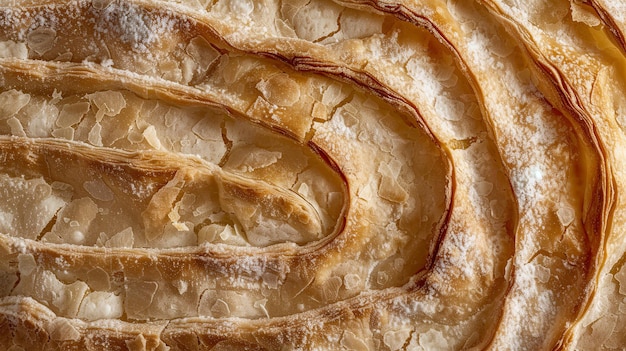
{"type": "Point", "coordinates": [580, 92]}
{"type": "Point", "coordinates": [526, 175]}
{"type": "Point", "coordinates": [154, 120]}
{"type": "Point", "coordinates": [319, 174]}
{"type": "Point", "coordinates": [597, 13]}
{"type": "Point", "coordinates": [153, 203]}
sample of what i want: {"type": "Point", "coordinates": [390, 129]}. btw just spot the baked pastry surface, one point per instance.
{"type": "Point", "coordinates": [312, 175]}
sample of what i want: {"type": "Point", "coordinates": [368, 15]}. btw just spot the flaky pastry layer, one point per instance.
{"type": "Point", "coordinates": [312, 175]}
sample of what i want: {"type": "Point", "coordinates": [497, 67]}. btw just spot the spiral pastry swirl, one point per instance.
{"type": "Point", "coordinates": [312, 175]}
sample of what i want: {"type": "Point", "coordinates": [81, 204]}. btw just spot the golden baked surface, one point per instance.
{"type": "Point", "coordinates": [312, 175]}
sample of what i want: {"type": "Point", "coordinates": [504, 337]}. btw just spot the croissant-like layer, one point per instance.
{"type": "Point", "coordinates": [312, 175]}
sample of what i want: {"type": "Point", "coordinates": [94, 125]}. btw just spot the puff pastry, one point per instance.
{"type": "Point", "coordinates": [312, 175]}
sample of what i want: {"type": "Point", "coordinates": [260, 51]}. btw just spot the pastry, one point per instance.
{"type": "Point", "coordinates": [299, 175]}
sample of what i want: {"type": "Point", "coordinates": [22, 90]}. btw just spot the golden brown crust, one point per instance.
{"type": "Point", "coordinates": [288, 174]}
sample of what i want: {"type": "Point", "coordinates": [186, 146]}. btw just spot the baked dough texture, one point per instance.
{"type": "Point", "coordinates": [312, 175]}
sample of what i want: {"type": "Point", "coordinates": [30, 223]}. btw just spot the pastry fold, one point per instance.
{"type": "Point", "coordinates": [287, 174]}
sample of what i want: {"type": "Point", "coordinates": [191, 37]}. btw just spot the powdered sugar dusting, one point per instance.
{"type": "Point", "coordinates": [133, 25]}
